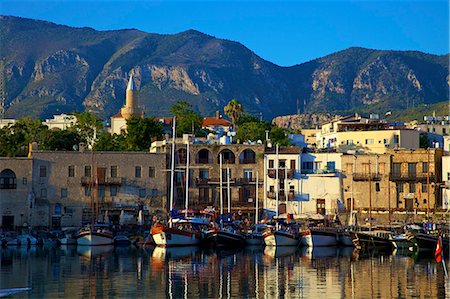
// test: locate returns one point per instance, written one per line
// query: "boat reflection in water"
(91, 251)
(190, 272)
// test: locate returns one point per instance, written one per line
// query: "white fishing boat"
(179, 232)
(255, 236)
(94, 237)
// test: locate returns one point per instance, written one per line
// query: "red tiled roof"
(214, 121)
(118, 115)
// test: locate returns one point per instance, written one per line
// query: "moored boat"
(426, 242)
(400, 241)
(255, 236)
(281, 237)
(320, 236)
(224, 237)
(179, 232)
(378, 239)
(95, 237)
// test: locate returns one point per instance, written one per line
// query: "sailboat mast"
(187, 181)
(285, 188)
(92, 188)
(257, 199)
(220, 184)
(228, 190)
(276, 178)
(172, 168)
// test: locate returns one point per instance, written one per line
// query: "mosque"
(131, 108)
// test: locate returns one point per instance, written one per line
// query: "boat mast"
(92, 189)
(187, 181)
(285, 188)
(370, 199)
(276, 179)
(257, 203)
(172, 168)
(265, 182)
(228, 190)
(351, 222)
(220, 184)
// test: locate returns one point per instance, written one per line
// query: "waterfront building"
(435, 128)
(130, 109)
(311, 181)
(240, 162)
(54, 189)
(5, 122)
(310, 136)
(216, 124)
(61, 121)
(365, 135)
(399, 180)
(445, 186)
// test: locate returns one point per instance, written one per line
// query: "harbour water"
(190, 272)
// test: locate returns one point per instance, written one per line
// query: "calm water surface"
(108, 272)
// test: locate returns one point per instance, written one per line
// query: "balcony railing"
(203, 160)
(358, 176)
(397, 176)
(281, 172)
(318, 171)
(247, 161)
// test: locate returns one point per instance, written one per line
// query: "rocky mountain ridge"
(50, 69)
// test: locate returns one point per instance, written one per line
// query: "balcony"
(247, 161)
(366, 176)
(397, 176)
(281, 172)
(86, 180)
(200, 160)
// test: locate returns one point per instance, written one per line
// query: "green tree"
(246, 118)
(252, 131)
(234, 110)
(88, 126)
(111, 142)
(59, 140)
(141, 132)
(187, 120)
(279, 136)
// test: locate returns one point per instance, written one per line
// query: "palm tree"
(233, 109)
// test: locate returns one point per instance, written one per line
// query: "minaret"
(131, 107)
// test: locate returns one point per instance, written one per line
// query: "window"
(154, 192)
(412, 187)
(142, 192)
(63, 193)
(43, 193)
(350, 142)
(151, 172)
(448, 176)
(203, 194)
(224, 173)
(42, 171)
(101, 191)
(424, 167)
(377, 186)
(8, 179)
(397, 168)
(281, 163)
(113, 171)
(271, 188)
(248, 173)
(270, 163)
(87, 191)
(424, 188)
(412, 169)
(113, 190)
(399, 187)
(137, 171)
(292, 164)
(331, 165)
(307, 165)
(385, 141)
(87, 171)
(444, 131)
(71, 171)
(396, 139)
(369, 141)
(203, 173)
(317, 165)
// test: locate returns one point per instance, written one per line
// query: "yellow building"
(131, 108)
(365, 135)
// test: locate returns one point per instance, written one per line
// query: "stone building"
(15, 191)
(240, 162)
(400, 180)
(56, 188)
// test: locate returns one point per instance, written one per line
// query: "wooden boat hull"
(367, 240)
(176, 237)
(426, 242)
(280, 238)
(223, 238)
(254, 239)
(90, 238)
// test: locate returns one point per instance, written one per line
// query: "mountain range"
(51, 69)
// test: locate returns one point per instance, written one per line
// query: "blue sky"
(283, 32)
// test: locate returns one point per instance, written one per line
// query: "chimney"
(217, 115)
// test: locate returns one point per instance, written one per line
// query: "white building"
(446, 180)
(311, 182)
(61, 121)
(6, 122)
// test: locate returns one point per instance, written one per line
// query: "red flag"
(438, 251)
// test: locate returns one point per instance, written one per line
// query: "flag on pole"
(438, 251)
